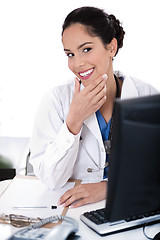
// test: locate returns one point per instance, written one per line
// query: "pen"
(34, 207)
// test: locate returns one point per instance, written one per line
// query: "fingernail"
(105, 76)
(62, 205)
(71, 206)
(59, 203)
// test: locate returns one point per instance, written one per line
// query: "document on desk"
(30, 197)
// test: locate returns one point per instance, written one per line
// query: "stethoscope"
(107, 143)
(98, 167)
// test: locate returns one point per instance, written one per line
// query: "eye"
(87, 50)
(69, 55)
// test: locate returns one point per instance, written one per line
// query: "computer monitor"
(134, 163)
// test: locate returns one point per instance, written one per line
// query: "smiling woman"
(74, 120)
(88, 57)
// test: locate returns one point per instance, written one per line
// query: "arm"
(55, 143)
(53, 147)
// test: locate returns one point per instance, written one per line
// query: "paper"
(3, 185)
(31, 192)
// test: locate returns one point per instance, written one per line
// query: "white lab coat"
(56, 154)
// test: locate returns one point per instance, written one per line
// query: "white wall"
(32, 59)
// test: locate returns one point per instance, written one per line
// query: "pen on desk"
(34, 207)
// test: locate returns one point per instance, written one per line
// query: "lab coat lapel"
(129, 89)
(92, 125)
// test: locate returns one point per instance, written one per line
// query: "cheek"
(105, 63)
(70, 65)
(72, 68)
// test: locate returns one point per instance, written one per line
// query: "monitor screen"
(134, 163)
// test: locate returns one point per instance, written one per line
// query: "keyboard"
(97, 222)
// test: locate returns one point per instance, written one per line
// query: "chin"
(86, 82)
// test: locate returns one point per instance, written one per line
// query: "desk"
(84, 231)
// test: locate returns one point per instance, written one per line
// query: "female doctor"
(74, 119)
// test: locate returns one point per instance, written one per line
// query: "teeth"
(84, 74)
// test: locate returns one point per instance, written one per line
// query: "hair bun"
(98, 23)
(119, 32)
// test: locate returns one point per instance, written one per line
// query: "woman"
(74, 119)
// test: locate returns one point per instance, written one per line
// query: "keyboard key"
(98, 216)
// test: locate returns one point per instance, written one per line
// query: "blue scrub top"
(104, 128)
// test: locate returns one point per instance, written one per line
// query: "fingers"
(100, 87)
(79, 203)
(77, 200)
(83, 194)
(101, 95)
(96, 92)
(77, 86)
(71, 196)
(101, 83)
(97, 85)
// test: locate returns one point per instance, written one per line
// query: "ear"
(112, 47)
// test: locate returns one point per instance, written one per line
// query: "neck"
(107, 108)
(111, 88)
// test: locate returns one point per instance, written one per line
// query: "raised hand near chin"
(86, 102)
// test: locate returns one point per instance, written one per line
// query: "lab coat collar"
(129, 89)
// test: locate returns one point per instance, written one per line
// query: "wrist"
(73, 126)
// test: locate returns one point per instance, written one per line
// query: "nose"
(79, 61)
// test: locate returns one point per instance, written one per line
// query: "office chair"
(15, 150)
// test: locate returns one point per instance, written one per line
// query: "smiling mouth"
(86, 74)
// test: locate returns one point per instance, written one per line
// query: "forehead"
(76, 34)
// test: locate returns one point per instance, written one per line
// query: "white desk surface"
(85, 232)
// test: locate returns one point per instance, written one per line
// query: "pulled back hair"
(98, 23)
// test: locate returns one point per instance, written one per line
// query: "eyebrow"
(80, 46)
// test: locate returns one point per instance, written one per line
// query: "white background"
(32, 60)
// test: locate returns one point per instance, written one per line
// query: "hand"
(86, 102)
(84, 194)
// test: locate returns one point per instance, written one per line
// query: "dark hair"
(98, 23)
